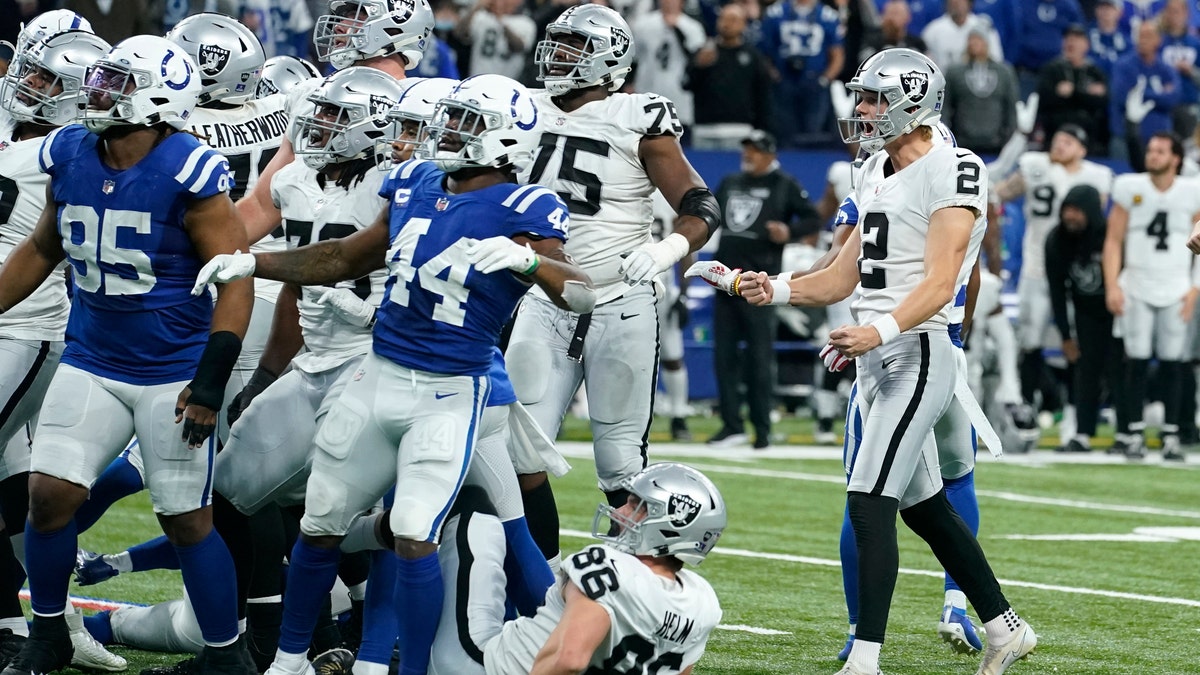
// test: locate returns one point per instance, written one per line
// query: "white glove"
(1136, 106)
(835, 361)
(714, 273)
(1027, 111)
(348, 306)
(223, 269)
(498, 253)
(843, 102)
(644, 263)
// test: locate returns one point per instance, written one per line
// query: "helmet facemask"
(107, 93)
(406, 132)
(32, 93)
(461, 127)
(587, 46)
(348, 34)
(321, 137)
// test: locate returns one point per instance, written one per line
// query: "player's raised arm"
(582, 629)
(32, 260)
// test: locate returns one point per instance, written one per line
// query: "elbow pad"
(579, 297)
(701, 203)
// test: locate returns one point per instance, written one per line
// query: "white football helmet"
(678, 512)
(45, 25)
(486, 121)
(348, 115)
(603, 57)
(229, 56)
(43, 84)
(359, 29)
(411, 115)
(913, 87)
(281, 73)
(144, 80)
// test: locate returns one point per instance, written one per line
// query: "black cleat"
(48, 648)
(679, 429)
(351, 629)
(334, 662)
(230, 660)
(10, 646)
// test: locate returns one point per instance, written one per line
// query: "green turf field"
(1105, 594)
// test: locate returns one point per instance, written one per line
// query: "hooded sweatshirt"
(1073, 261)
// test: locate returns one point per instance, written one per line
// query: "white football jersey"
(658, 625)
(893, 221)
(43, 315)
(312, 214)
(663, 60)
(1046, 183)
(1157, 262)
(590, 158)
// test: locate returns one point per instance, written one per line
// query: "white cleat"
(849, 669)
(90, 654)
(997, 657)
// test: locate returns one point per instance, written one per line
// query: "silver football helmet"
(911, 85)
(677, 512)
(143, 80)
(44, 83)
(281, 73)
(229, 55)
(587, 45)
(45, 25)
(359, 29)
(409, 118)
(486, 121)
(348, 115)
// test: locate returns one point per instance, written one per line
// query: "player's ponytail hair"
(352, 172)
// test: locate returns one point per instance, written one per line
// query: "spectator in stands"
(1073, 271)
(1043, 23)
(1109, 40)
(752, 10)
(733, 81)
(764, 209)
(1006, 19)
(284, 27)
(115, 21)
(894, 22)
(946, 36)
(1160, 84)
(1073, 90)
(981, 97)
(437, 60)
(1179, 50)
(861, 22)
(664, 42)
(803, 38)
(501, 38)
(923, 13)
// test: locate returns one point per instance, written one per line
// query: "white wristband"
(787, 276)
(887, 327)
(781, 292)
(677, 244)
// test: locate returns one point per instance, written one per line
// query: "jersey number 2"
(874, 247)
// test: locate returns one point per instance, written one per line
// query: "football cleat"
(48, 648)
(91, 568)
(90, 654)
(1120, 445)
(1171, 450)
(679, 429)
(845, 653)
(727, 438)
(998, 657)
(10, 646)
(334, 662)
(956, 629)
(850, 669)
(1136, 447)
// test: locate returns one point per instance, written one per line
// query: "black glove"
(680, 309)
(259, 381)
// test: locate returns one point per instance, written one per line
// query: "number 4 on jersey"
(452, 308)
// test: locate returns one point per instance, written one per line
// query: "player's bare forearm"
(833, 283)
(285, 339)
(1010, 188)
(840, 235)
(992, 240)
(33, 259)
(694, 230)
(555, 268)
(568, 650)
(670, 172)
(235, 302)
(328, 262)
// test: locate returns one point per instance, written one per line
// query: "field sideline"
(1099, 555)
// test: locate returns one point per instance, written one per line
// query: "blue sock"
(849, 553)
(100, 627)
(118, 481)
(528, 573)
(310, 576)
(961, 494)
(50, 559)
(156, 554)
(209, 579)
(419, 595)
(379, 612)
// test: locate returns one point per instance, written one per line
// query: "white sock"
(291, 663)
(121, 562)
(676, 384)
(865, 655)
(852, 627)
(1002, 628)
(17, 624)
(358, 591)
(1009, 388)
(241, 626)
(555, 563)
(367, 668)
(956, 599)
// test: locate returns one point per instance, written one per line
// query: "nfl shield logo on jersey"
(441, 204)
(213, 59)
(108, 187)
(916, 85)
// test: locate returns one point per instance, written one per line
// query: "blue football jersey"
(439, 314)
(502, 392)
(133, 318)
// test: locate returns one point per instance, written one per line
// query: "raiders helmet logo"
(620, 41)
(380, 105)
(916, 85)
(682, 510)
(213, 59)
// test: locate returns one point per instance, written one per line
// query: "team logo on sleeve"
(682, 510)
(213, 59)
(1137, 199)
(741, 212)
(916, 85)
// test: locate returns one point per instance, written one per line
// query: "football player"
(921, 220)
(281, 73)
(462, 244)
(626, 605)
(1148, 284)
(604, 153)
(135, 207)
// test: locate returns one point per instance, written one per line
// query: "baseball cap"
(761, 140)
(1114, 3)
(1075, 131)
(1075, 29)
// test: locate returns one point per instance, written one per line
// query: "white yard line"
(754, 629)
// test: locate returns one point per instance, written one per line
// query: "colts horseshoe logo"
(187, 72)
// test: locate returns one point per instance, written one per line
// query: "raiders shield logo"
(741, 211)
(213, 59)
(682, 510)
(916, 85)
(380, 105)
(620, 42)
